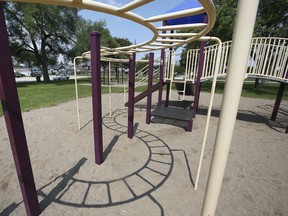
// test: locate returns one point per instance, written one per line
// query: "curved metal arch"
(156, 42)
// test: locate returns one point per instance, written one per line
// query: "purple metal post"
(167, 94)
(104, 76)
(149, 90)
(131, 92)
(199, 73)
(108, 76)
(168, 71)
(278, 101)
(14, 123)
(117, 74)
(190, 125)
(96, 95)
(161, 77)
(122, 76)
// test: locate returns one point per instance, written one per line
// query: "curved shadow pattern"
(142, 182)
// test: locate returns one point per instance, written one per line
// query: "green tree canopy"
(272, 21)
(140, 65)
(45, 31)
(84, 28)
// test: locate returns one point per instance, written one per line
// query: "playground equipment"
(109, 60)
(161, 39)
(158, 41)
(142, 76)
(268, 60)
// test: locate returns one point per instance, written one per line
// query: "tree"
(223, 28)
(140, 65)
(272, 20)
(122, 42)
(226, 14)
(84, 28)
(44, 31)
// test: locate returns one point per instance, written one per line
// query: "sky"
(123, 28)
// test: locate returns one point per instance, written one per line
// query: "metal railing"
(268, 59)
(141, 76)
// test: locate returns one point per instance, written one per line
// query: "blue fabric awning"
(186, 4)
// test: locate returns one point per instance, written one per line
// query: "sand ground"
(154, 173)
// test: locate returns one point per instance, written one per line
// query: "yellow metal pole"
(245, 21)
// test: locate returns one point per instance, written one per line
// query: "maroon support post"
(149, 90)
(169, 75)
(167, 93)
(104, 75)
(96, 95)
(122, 74)
(117, 74)
(278, 101)
(161, 78)
(108, 76)
(131, 92)
(14, 123)
(199, 74)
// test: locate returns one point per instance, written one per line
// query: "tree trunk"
(46, 77)
(258, 83)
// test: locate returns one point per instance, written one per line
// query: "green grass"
(268, 91)
(35, 95)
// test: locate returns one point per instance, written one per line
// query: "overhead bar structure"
(133, 5)
(178, 14)
(126, 12)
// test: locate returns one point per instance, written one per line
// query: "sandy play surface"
(154, 173)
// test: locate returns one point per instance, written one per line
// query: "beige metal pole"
(245, 21)
(76, 91)
(110, 96)
(217, 67)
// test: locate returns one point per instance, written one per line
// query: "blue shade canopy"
(186, 4)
